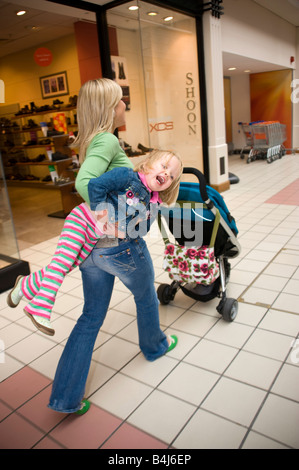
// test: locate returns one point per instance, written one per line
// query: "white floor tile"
(256, 295)
(116, 321)
(250, 314)
(211, 356)
(121, 395)
(281, 322)
(8, 365)
(189, 383)
(162, 416)
(31, 347)
(232, 334)
(287, 382)
(269, 344)
(208, 431)
(115, 353)
(275, 283)
(194, 323)
(150, 373)
(227, 400)
(257, 441)
(287, 302)
(278, 419)
(253, 369)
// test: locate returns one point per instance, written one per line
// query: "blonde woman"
(100, 111)
(126, 258)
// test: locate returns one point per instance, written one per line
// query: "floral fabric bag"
(190, 263)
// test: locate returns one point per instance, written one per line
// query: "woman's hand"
(107, 228)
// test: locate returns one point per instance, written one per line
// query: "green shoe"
(15, 295)
(173, 342)
(85, 405)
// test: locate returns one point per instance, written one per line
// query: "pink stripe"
(32, 311)
(87, 213)
(46, 295)
(41, 303)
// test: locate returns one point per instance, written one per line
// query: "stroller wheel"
(164, 293)
(229, 310)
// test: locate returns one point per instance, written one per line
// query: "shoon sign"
(190, 104)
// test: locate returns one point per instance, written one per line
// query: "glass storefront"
(156, 66)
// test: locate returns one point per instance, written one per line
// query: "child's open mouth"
(160, 179)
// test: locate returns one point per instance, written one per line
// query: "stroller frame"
(228, 307)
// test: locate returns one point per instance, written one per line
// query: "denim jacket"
(128, 201)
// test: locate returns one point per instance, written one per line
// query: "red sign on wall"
(43, 56)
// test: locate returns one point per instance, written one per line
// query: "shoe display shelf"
(24, 168)
(11, 264)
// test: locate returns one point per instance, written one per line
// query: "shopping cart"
(269, 137)
(264, 139)
(253, 153)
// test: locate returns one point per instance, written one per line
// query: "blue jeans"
(130, 261)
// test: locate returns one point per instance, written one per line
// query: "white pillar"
(295, 96)
(218, 160)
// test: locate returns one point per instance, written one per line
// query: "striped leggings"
(77, 239)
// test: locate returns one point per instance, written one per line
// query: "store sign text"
(162, 126)
(190, 104)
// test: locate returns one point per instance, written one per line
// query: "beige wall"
(21, 74)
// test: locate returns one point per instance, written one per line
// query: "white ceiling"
(45, 20)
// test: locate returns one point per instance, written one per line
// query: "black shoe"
(144, 149)
(59, 156)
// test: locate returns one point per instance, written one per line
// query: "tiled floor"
(226, 385)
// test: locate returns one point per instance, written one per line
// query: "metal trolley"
(265, 140)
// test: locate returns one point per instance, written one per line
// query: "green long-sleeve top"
(103, 154)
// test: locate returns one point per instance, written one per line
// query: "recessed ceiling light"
(21, 12)
(152, 13)
(247, 71)
(168, 18)
(133, 7)
(231, 68)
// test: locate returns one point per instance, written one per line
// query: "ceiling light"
(247, 71)
(168, 18)
(21, 12)
(152, 13)
(133, 8)
(231, 68)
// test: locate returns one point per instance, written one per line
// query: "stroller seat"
(200, 219)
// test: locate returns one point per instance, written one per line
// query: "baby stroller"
(205, 238)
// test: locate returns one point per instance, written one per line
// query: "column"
(218, 159)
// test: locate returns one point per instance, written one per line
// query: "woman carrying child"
(125, 256)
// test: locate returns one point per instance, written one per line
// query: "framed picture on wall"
(54, 85)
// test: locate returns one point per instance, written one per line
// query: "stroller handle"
(202, 184)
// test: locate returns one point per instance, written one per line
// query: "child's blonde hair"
(95, 111)
(169, 195)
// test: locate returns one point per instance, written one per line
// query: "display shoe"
(39, 158)
(41, 323)
(15, 295)
(144, 149)
(85, 405)
(59, 156)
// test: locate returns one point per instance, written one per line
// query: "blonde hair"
(95, 111)
(169, 195)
